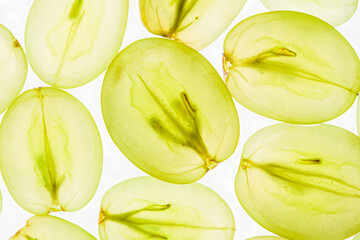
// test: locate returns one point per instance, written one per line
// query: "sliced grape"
(302, 182)
(335, 12)
(146, 208)
(196, 23)
(278, 65)
(47, 227)
(71, 42)
(13, 68)
(50, 152)
(168, 111)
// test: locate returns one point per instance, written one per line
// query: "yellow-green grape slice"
(266, 238)
(13, 68)
(71, 42)
(196, 23)
(50, 152)
(277, 64)
(302, 182)
(168, 111)
(335, 12)
(47, 227)
(146, 208)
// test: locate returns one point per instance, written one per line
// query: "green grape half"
(335, 12)
(50, 152)
(278, 64)
(47, 227)
(71, 42)
(13, 68)
(168, 111)
(196, 23)
(266, 238)
(146, 208)
(302, 182)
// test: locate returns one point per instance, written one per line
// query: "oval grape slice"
(50, 152)
(47, 227)
(13, 68)
(335, 12)
(146, 208)
(291, 74)
(196, 23)
(297, 181)
(168, 111)
(71, 42)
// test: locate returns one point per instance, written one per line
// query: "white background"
(117, 168)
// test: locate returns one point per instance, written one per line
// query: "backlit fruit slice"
(71, 42)
(277, 64)
(146, 208)
(50, 152)
(335, 12)
(13, 68)
(196, 23)
(302, 182)
(47, 227)
(168, 111)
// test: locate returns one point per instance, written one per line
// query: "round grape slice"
(50, 152)
(168, 111)
(335, 12)
(278, 65)
(47, 227)
(71, 42)
(196, 23)
(13, 68)
(146, 208)
(302, 182)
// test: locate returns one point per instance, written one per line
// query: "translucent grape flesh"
(195, 23)
(13, 68)
(182, 120)
(146, 208)
(48, 227)
(71, 42)
(291, 74)
(309, 175)
(50, 152)
(334, 12)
